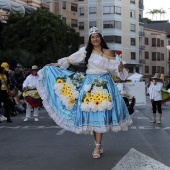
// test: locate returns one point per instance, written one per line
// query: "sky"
(157, 4)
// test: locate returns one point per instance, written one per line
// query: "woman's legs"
(98, 149)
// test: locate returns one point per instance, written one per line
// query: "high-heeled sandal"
(97, 151)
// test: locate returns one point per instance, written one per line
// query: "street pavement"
(45, 146)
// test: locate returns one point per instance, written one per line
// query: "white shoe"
(36, 119)
(3, 118)
(26, 119)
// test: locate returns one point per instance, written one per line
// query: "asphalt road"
(45, 146)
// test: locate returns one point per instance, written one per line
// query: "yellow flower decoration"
(86, 100)
(72, 102)
(59, 81)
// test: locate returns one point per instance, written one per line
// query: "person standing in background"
(4, 88)
(155, 92)
(30, 93)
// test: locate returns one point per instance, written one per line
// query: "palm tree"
(161, 11)
(151, 12)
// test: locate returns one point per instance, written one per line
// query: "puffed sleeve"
(114, 70)
(73, 59)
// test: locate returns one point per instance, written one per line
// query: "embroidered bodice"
(97, 63)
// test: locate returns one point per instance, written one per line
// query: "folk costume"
(31, 95)
(84, 103)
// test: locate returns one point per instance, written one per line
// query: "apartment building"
(157, 48)
(155, 54)
(120, 23)
(67, 10)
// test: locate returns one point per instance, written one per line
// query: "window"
(81, 40)
(112, 10)
(158, 69)
(162, 70)
(92, 23)
(146, 41)
(81, 11)
(146, 69)
(81, 25)
(74, 23)
(132, 14)
(64, 4)
(133, 41)
(168, 42)
(117, 10)
(117, 25)
(158, 42)
(132, 27)
(112, 24)
(146, 55)
(153, 69)
(158, 56)
(133, 56)
(153, 42)
(73, 7)
(162, 56)
(153, 56)
(92, 10)
(132, 1)
(162, 43)
(113, 39)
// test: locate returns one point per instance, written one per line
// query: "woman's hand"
(53, 64)
(121, 66)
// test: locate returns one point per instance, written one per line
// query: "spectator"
(155, 92)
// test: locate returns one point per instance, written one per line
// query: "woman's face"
(95, 39)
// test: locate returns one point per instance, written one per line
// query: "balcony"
(142, 61)
(141, 47)
(141, 33)
(141, 6)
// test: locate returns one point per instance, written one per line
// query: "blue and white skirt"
(82, 104)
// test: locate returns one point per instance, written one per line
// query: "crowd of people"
(12, 101)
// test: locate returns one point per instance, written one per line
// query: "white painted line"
(135, 160)
(13, 127)
(61, 132)
(132, 127)
(142, 118)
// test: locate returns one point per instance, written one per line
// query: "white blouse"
(155, 91)
(30, 81)
(97, 63)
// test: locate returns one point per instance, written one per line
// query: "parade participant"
(31, 95)
(4, 88)
(155, 92)
(90, 103)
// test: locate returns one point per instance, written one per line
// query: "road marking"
(135, 160)
(61, 132)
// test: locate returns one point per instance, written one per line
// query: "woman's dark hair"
(89, 47)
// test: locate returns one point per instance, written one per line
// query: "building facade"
(67, 10)
(120, 23)
(155, 54)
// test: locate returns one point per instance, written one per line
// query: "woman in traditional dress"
(90, 103)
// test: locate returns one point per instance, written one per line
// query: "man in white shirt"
(31, 95)
(155, 92)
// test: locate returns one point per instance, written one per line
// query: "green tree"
(38, 38)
